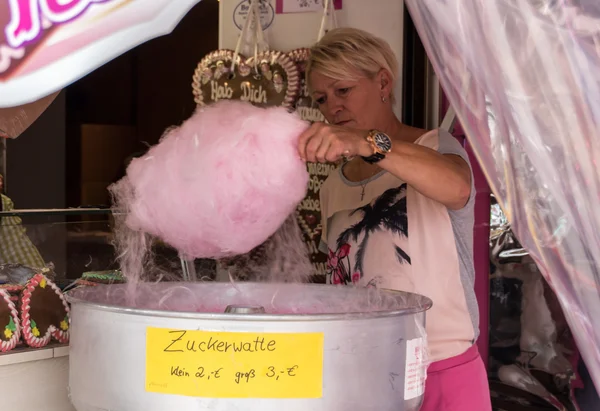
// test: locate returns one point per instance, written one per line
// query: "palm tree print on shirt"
(387, 212)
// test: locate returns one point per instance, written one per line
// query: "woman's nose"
(334, 106)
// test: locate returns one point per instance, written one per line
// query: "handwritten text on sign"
(234, 365)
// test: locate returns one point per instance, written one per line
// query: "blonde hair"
(349, 54)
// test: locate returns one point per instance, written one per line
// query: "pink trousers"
(457, 384)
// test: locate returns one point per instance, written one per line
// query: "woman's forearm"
(445, 178)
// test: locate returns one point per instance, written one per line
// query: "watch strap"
(374, 158)
(378, 154)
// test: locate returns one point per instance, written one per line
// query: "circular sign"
(266, 12)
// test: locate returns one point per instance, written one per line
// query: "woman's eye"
(344, 90)
(320, 100)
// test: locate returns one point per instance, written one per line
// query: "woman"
(399, 212)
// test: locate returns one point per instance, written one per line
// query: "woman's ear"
(385, 82)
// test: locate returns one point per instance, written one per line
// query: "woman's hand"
(323, 143)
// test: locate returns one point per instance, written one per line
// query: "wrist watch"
(381, 144)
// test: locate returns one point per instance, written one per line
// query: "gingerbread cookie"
(13, 289)
(305, 106)
(309, 210)
(267, 80)
(10, 331)
(44, 313)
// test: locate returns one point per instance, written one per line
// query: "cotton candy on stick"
(221, 183)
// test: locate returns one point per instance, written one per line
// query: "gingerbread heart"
(309, 210)
(44, 313)
(12, 289)
(10, 331)
(305, 106)
(269, 79)
(309, 214)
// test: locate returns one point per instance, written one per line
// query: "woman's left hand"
(324, 143)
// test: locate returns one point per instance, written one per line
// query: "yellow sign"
(233, 364)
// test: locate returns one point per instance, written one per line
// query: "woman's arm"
(445, 178)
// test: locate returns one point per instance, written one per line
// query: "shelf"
(26, 354)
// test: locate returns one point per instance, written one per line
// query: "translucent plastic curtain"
(523, 76)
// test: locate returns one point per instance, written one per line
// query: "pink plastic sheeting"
(523, 76)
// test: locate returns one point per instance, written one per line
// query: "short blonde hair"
(348, 54)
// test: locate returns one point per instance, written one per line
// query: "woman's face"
(353, 103)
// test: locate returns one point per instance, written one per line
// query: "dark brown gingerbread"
(46, 308)
(9, 323)
(44, 313)
(309, 210)
(270, 79)
(5, 321)
(305, 106)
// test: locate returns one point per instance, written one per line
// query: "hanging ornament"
(308, 213)
(267, 78)
(305, 106)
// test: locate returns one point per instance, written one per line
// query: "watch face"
(382, 142)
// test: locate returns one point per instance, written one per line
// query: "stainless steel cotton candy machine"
(246, 346)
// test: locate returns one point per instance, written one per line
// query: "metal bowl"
(334, 347)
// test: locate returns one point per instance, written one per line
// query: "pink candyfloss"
(222, 183)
